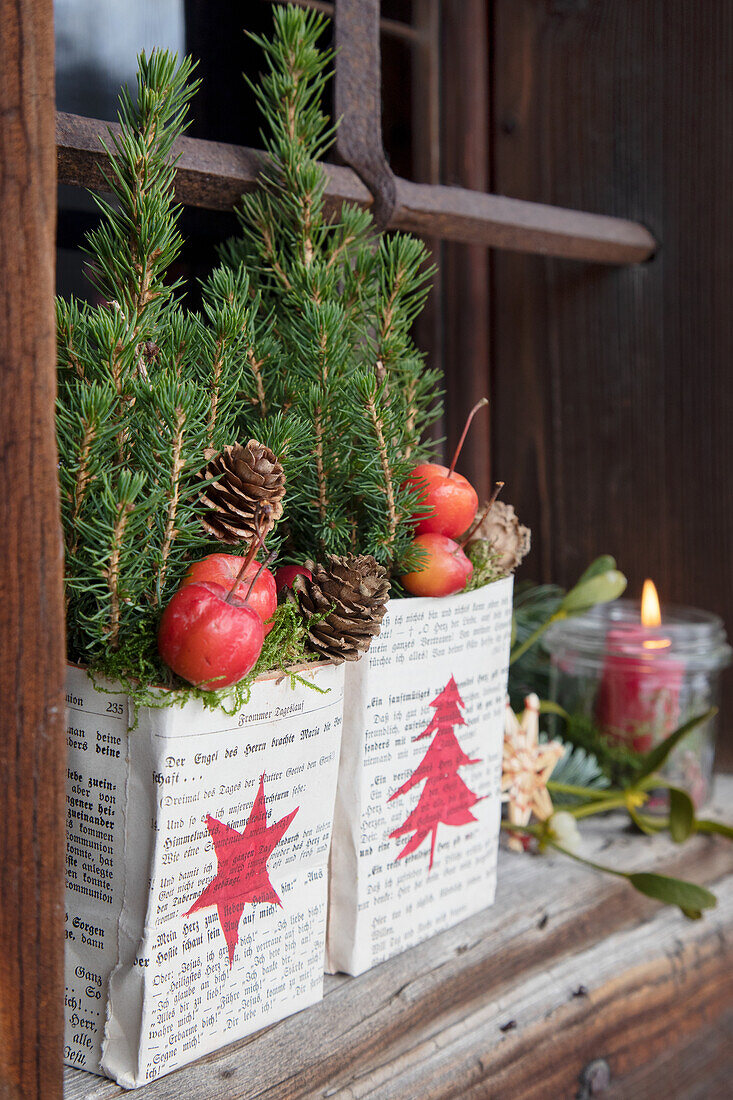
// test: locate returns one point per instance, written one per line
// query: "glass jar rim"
(694, 636)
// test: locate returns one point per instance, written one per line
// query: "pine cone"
(352, 592)
(509, 538)
(248, 476)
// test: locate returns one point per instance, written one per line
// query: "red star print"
(242, 877)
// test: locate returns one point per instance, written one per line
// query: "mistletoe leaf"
(681, 815)
(688, 896)
(653, 760)
(548, 707)
(602, 564)
(599, 588)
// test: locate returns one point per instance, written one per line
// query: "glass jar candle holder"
(639, 683)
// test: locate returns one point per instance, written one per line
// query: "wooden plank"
(428, 1023)
(213, 175)
(613, 388)
(465, 268)
(625, 1021)
(32, 747)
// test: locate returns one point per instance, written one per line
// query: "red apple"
(223, 568)
(206, 640)
(449, 498)
(286, 574)
(447, 569)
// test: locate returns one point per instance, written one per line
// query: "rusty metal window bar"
(213, 175)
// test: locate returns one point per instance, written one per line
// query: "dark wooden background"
(613, 388)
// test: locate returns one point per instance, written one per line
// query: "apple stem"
(262, 515)
(266, 563)
(479, 405)
(477, 523)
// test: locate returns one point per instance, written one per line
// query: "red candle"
(638, 696)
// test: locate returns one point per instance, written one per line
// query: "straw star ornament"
(526, 766)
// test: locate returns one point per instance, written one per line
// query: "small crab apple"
(448, 498)
(209, 634)
(286, 574)
(447, 569)
(223, 569)
(209, 637)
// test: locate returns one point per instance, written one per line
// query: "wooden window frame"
(211, 175)
(214, 175)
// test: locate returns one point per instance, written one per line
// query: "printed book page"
(209, 922)
(418, 804)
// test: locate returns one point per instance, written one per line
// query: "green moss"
(485, 561)
(136, 665)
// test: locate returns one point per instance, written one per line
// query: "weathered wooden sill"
(567, 968)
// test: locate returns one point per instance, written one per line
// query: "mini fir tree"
(147, 392)
(445, 798)
(340, 363)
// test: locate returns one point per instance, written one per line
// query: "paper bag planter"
(197, 849)
(417, 815)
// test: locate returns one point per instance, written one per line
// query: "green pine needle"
(576, 768)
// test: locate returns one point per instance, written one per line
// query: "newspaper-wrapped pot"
(418, 803)
(197, 848)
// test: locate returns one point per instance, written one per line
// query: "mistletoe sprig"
(596, 777)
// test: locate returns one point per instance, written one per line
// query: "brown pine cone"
(249, 478)
(509, 538)
(351, 592)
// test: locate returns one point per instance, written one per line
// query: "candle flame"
(651, 614)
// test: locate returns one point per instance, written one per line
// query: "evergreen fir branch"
(120, 501)
(289, 92)
(170, 449)
(177, 466)
(255, 215)
(70, 327)
(411, 409)
(232, 308)
(349, 233)
(85, 430)
(255, 366)
(318, 455)
(619, 763)
(371, 391)
(404, 285)
(576, 768)
(340, 303)
(216, 368)
(137, 239)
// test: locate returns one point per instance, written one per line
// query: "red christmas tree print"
(242, 876)
(445, 797)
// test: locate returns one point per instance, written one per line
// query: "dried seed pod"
(509, 538)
